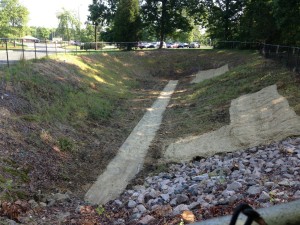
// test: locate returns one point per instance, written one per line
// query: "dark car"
(183, 45)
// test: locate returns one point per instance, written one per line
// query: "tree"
(287, 14)
(165, 17)
(69, 25)
(224, 17)
(87, 34)
(13, 19)
(127, 22)
(258, 22)
(43, 33)
(101, 14)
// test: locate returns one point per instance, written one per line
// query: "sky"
(42, 13)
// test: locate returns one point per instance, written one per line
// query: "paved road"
(130, 158)
(31, 52)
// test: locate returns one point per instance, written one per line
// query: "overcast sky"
(43, 12)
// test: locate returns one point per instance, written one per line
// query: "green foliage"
(13, 19)
(223, 18)
(164, 18)
(11, 177)
(270, 21)
(127, 22)
(90, 94)
(65, 144)
(87, 34)
(100, 210)
(258, 22)
(287, 14)
(92, 45)
(69, 25)
(181, 222)
(43, 33)
(101, 14)
(6, 188)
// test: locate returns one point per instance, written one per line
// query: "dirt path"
(255, 119)
(130, 158)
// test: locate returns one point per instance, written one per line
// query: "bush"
(92, 45)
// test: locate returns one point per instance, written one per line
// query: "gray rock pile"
(265, 174)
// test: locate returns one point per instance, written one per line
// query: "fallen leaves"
(12, 210)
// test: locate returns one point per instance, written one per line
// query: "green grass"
(11, 46)
(76, 94)
(205, 106)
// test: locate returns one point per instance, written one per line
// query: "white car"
(144, 45)
(194, 45)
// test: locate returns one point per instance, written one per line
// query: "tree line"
(267, 21)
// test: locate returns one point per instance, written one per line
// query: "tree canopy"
(271, 21)
(69, 25)
(127, 22)
(165, 17)
(13, 19)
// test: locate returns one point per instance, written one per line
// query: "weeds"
(10, 180)
(100, 210)
(65, 144)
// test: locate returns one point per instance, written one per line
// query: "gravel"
(267, 175)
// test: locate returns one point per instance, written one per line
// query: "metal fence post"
(35, 50)
(46, 47)
(297, 61)
(6, 53)
(55, 48)
(23, 49)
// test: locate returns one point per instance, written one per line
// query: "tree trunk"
(226, 27)
(96, 26)
(163, 19)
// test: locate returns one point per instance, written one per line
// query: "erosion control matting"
(255, 119)
(130, 158)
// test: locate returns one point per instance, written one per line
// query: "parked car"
(157, 44)
(183, 45)
(142, 45)
(175, 45)
(194, 45)
(169, 45)
(77, 43)
(153, 45)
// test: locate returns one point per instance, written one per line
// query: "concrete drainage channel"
(284, 214)
(130, 157)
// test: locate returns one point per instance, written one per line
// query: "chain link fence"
(13, 50)
(287, 55)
